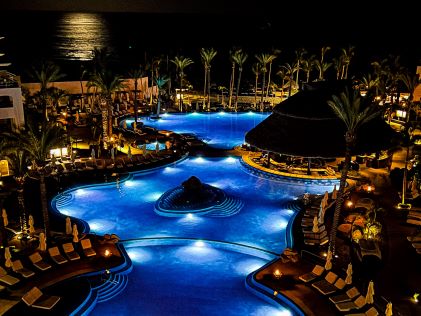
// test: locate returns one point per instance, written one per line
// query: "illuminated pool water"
(219, 130)
(127, 209)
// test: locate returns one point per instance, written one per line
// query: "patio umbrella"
(129, 152)
(75, 234)
(144, 149)
(7, 257)
(315, 225)
(68, 226)
(93, 153)
(326, 198)
(369, 297)
(322, 211)
(53, 161)
(124, 124)
(328, 264)
(348, 279)
(134, 125)
(334, 193)
(42, 242)
(77, 117)
(31, 224)
(112, 153)
(4, 215)
(157, 147)
(389, 311)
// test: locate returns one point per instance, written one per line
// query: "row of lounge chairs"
(109, 164)
(414, 218)
(310, 237)
(345, 297)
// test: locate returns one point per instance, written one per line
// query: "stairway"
(229, 207)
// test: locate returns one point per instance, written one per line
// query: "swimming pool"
(127, 209)
(220, 130)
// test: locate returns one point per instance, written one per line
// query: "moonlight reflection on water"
(79, 33)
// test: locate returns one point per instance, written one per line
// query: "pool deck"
(396, 281)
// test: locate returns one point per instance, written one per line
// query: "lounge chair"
(327, 289)
(87, 248)
(35, 298)
(314, 274)
(414, 238)
(37, 261)
(329, 280)
(345, 297)
(70, 251)
(416, 245)
(7, 278)
(19, 268)
(372, 311)
(56, 256)
(358, 303)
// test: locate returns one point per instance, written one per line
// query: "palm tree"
(346, 57)
(282, 73)
(107, 83)
(299, 53)
(370, 84)
(46, 74)
(239, 58)
(349, 107)
(321, 66)
(136, 74)
(307, 65)
(256, 70)
(264, 59)
(83, 73)
(18, 160)
(222, 89)
(338, 65)
(274, 55)
(232, 79)
(181, 63)
(160, 83)
(289, 74)
(37, 141)
(207, 55)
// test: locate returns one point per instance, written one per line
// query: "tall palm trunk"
(340, 198)
(269, 77)
(181, 91)
(205, 86)
(209, 89)
(135, 101)
(151, 97)
(255, 91)
(21, 204)
(240, 70)
(263, 91)
(158, 108)
(231, 85)
(44, 204)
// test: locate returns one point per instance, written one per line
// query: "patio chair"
(312, 275)
(358, 303)
(56, 256)
(37, 261)
(87, 248)
(35, 298)
(345, 297)
(70, 251)
(19, 268)
(7, 278)
(327, 289)
(329, 279)
(372, 311)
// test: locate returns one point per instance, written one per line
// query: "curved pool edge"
(182, 241)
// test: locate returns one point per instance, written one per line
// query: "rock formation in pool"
(196, 197)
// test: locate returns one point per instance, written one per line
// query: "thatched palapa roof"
(304, 125)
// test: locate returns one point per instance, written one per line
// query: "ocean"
(68, 38)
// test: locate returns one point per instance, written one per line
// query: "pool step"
(295, 206)
(229, 207)
(114, 288)
(63, 199)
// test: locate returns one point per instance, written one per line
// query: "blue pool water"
(215, 288)
(127, 209)
(219, 130)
